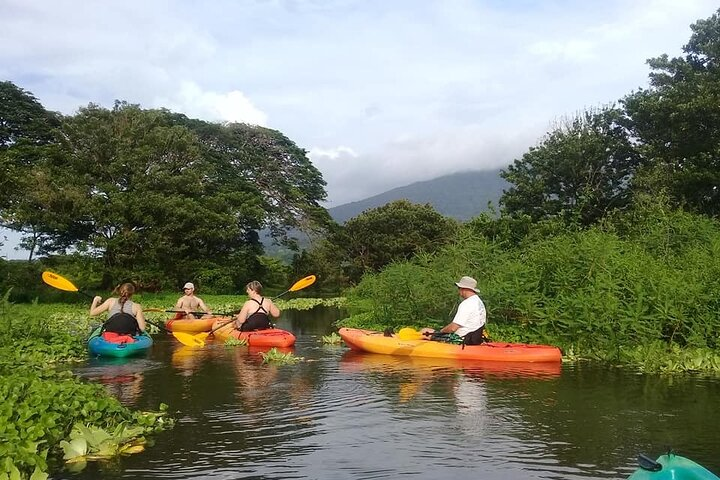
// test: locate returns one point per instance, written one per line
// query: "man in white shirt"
(470, 315)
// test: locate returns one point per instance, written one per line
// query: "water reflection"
(348, 415)
(121, 377)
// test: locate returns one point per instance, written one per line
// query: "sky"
(380, 93)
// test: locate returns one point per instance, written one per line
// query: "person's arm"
(204, 307)
(273, 310)
(96, 309)
(450, 328)
(178, 304)
(459, 319)
(140, 316)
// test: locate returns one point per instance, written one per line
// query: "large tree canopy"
(677, 121)
(581, 169)
(162, 198)
(27, 137)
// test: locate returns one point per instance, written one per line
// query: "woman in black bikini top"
(256, 312)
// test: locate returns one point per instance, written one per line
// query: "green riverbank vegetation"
(45, 406)
(49, 416)
(606, 243)
(639, 289)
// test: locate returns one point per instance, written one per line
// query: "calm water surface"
(343, 415)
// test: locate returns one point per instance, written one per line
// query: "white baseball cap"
(189, 285)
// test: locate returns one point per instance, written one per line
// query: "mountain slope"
(460, 195)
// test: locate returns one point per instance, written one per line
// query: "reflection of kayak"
(271, 337)
(671, 467)
(101, 347)
(354, 360)
(193, 326)
(376, 342)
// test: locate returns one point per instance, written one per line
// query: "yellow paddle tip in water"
(197, 340)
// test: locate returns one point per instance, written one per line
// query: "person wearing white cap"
(470, 316)
(189, 303)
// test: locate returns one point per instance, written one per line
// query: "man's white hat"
(468, 282)
(189, 285)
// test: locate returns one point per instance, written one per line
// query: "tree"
(272, 167)
(153, 206)
(27, 137)
(162, 198)
(677, 121)
(580, 171)
(394, 232)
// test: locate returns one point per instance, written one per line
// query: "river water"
(343, 415)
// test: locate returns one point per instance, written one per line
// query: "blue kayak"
(671, 467)
(100, 347)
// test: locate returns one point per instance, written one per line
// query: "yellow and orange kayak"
(377, 342)
(193, 325)
(271, 337)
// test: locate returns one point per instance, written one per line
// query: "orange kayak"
(377, 342)
(192, 326)
(354, 361)
(271, 337)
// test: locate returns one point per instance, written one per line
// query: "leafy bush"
(640, 278)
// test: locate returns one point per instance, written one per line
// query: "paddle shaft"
(62, 283)
(192, 313)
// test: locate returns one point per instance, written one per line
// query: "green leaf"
(39, 475)
(77, 447)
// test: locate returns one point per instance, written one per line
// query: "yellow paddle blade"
(408, 333)
(197, 340)
(61, 283)
(302, 283)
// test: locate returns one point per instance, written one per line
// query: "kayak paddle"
(62, 283)
(408, 333)
(181, 311)
(198, 340)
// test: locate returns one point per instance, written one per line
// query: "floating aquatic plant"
(276, 356)
(94, 443)
(235, 342)
(332, 339)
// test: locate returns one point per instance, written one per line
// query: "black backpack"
(122, 323)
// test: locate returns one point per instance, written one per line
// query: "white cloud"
(407, 159)
(382, 93)
(232, 106)
(318, 154)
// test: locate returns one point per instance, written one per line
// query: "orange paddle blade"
(61, 283)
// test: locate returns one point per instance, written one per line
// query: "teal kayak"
(100, 347)
(671, 467)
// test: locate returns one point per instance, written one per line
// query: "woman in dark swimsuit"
(125, 317)
(256, 312)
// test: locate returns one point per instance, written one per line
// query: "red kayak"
(271, 337)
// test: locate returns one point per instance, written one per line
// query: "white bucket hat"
(189, 285)
(468, 282)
